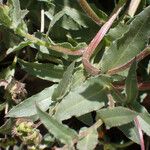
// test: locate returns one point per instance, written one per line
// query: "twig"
(133, 7)
(137, 123)
(89, 11)
(123, 67)
(94, 43)
(42, 20)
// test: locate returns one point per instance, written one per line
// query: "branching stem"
(57, 48)
(94, 43)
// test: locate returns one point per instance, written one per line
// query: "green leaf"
(74, 14)
(7, 73)
(74, 18)
(60, 131)
(2, 106)
(89, 142)
(144, 120)
(44, 71)
(27, 107)
(117, 96)
(130, 132)
(130, 44)
(64, 85)
(131, 84)
(79, 78)
(55, 18)
(86, 119)
(118, 31)
(4, 16)
(6, 128)
(116, 116)
(90, 96)
(18, 47)
(16, 13)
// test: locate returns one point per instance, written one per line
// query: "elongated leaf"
(144, 120)
(79, 78)
(86, 98)
(117, 96)
(4, 15)
(131, 84)
(89, 142)
(27, 107)
(17, 14)
(44, 71)
(130, 44)
(2, 105)
(55, 18)
(116, 116)
(75, 15)
(117, 32)
(6, 128)
(130, 132)
(60, 131)
(64, 84)
(18, 47)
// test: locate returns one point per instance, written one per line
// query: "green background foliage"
(49, 99)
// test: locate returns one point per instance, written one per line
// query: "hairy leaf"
(116, 116)
(64, 85)
(131, 84)
(78, 78)
(117, 32)
(18, 47)
(130, 132)
(16, 14)
(89, 142)
(44, 71)
(28, 108)
(6, 128)
(88, 97)
(144, 120)
(60, 131)
(130, 44)
(4, 15)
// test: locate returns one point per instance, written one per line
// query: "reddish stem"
(137, 123)
(141, 86)
(94, 43)
(139, 57)
(66, 50)
(89, 11)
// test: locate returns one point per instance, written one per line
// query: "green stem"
(57, 48)
(89, 11)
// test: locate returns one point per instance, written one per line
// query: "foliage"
(58, 72)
